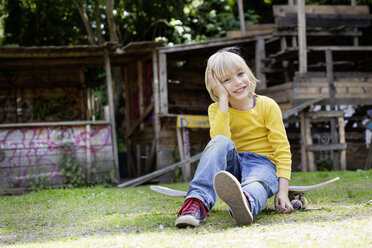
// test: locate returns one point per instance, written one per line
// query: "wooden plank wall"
(348, 90)
(41, 77)
(31, 152)
(186, 87)
(140, 133)
(42, 104)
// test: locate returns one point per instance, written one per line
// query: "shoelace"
(192, 206)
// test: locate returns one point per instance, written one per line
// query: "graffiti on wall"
(59, 104)
(24, 150)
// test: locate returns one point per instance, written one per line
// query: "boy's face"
(236, 84)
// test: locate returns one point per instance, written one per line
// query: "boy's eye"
(241, 73)
(225, 80)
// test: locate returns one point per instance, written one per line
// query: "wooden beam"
(260, 57)
(158, 173)
(330, 77)
(309, 142)
(209, 44)
(186, 169)
(139, 120)
(304, 163)
(140, 88)
(325, 114)
(327, 147)
(341, 133)
(301, 19)
(110, 98)
(340, 48)
(163, 84)
(283, 10)
(155, 90)
(53, 124)
(368, 162)
(241, 17)
(320, 33)
(302, 106)
(88, 152)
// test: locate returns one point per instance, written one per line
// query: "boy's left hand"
(282, 203)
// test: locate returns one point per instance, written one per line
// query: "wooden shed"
(337, 71)
(48, 126)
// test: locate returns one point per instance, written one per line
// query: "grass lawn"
(339, 215)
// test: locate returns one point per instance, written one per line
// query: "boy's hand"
(217, 86)
(282, 203)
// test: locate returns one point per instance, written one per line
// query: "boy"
(248, 159)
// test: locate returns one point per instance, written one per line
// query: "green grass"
(338, 215)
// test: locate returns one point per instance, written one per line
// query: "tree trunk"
(97, 18)
(110, 20)
(84, 18)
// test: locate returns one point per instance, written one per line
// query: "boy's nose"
(237, 81)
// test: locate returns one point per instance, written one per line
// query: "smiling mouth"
(240, 90)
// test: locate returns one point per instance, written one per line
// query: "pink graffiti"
(24, 149)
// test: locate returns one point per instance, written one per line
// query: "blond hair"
(225, 62)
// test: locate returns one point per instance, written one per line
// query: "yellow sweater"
(259, 130)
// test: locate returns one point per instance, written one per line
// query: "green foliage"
(325, 165)
(212, 19)
(42, 22)
(39, 181)
(57, 22)
(71, 167)
(75, 173)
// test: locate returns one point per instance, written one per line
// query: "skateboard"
(294, 192)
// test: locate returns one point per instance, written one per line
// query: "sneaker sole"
(188, 221)
(228, 189)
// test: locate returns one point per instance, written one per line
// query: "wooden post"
(186, 169)
(183, 142)
(89, 113)
(138, 159)
(241, 17)
(260, 56)
(341, 132)
(180, 144)
(140, 90)
(293, 37)
(304, 163)
(19, 112)
(309, 141)
(128, 143)
(110, 99)
(301, 18)
(88, 155)
(368, 163)
(331, 87)
(283, 46)
(163, 84)
(355, 38)
(330, 77)
(155, 87)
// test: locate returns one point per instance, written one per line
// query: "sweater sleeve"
(219, 121)
(277, 137)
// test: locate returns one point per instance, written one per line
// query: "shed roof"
(82, 55)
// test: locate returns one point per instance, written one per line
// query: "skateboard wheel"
(304, 202)
(296, 204)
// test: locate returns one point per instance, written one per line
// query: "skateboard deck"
(293, 191)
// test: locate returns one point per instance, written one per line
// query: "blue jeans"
(256, 173)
